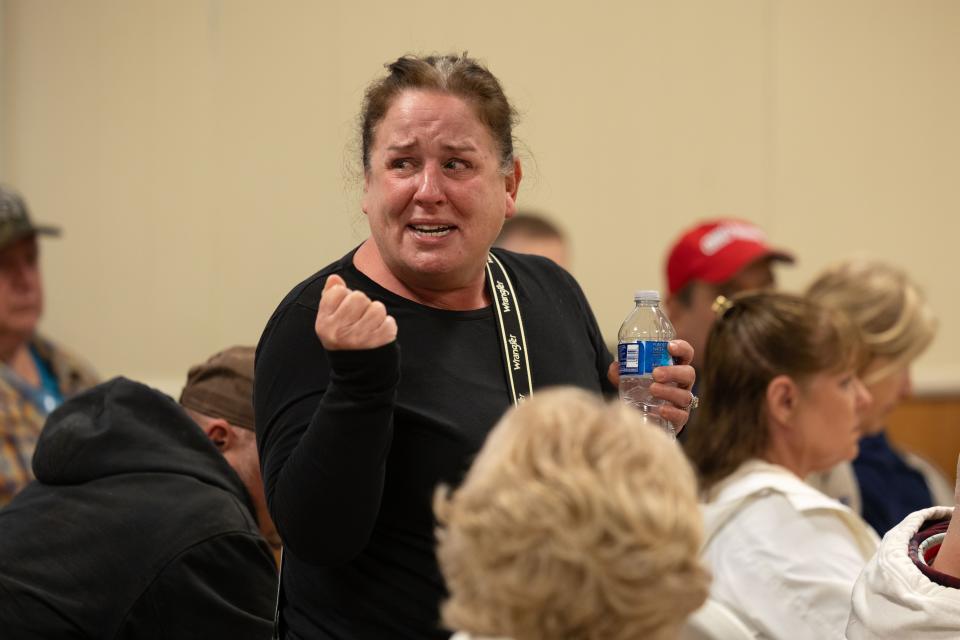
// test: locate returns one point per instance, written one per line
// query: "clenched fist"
(349, 320)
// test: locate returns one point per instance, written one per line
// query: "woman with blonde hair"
(576, 521)
(896, 326)
(781, 399)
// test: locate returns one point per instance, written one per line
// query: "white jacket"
(784, 556)
(894, 600)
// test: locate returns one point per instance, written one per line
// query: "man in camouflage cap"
(36, 375)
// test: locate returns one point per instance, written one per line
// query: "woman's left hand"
(671, 383)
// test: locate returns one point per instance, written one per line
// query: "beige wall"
(200, 154)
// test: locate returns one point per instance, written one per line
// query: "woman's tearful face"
(436, 193)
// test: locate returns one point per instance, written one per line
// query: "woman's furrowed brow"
(459, 146)
(402, 146)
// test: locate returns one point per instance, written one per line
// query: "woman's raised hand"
(349, 320)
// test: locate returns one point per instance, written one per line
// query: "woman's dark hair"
(758, 337)
(458, 75)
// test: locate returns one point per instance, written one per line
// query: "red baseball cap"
(716, 250)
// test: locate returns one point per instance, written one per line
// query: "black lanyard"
(516, 360)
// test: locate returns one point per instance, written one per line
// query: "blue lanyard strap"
(39, 397)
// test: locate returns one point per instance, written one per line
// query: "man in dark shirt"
(147, 518)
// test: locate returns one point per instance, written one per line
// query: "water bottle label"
(642, 357)
(657, 355)
(630, 355)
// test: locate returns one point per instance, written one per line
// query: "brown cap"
(222, 387)
(15, 220)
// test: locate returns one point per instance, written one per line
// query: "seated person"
(147, 518)
(883, 483)
(576, 521)
(911, 588)
(36, 374)
(780, 400)
(713, 258)
(528, 232)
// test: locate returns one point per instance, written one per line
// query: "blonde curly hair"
(891, 311)
(576, 521)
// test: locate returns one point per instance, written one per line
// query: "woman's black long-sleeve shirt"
(353, 444)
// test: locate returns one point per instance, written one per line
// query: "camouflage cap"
(15, 220)
(222, 387)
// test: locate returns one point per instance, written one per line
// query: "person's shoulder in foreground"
(911, 587)
(146, 508)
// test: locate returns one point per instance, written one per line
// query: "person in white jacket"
(911, 587)
(577, 521)
(780, 399)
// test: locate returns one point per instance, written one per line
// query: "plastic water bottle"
(643, 338)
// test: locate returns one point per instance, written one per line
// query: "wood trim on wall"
(929, 426)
